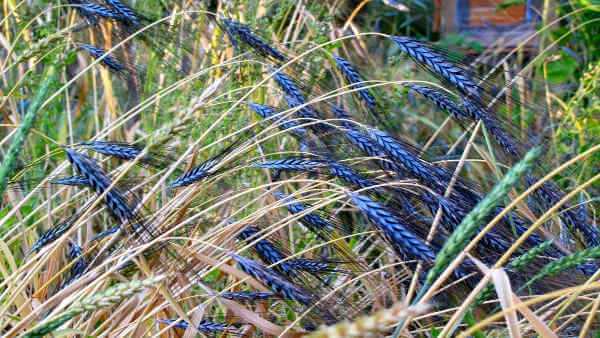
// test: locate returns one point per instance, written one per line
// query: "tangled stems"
(103, 299)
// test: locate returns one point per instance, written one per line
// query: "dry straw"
(463, 210)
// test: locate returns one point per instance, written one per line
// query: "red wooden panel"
(486, 12)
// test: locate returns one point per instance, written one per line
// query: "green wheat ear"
(565, 263)
(103, 299)
(517, 264)
(21, 135)
(472, 222)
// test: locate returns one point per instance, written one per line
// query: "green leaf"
(562, 69)
(508, 3)
(471, 321)
(590, 4)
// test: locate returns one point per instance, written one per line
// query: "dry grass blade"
(504, 291)
(538, 324)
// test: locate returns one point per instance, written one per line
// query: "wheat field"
(295, 168)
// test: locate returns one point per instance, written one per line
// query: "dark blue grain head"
(236, 30)
(309, 115)
(106, 233)
(404, 241)
(267, 112)
(354, 77)
(365, 144)
(295, 98)
(313, 266)
(93, 12)
(439, 65)
(348, 175)
(53, 234)
(346, 119)
(314, 222)
(582, 210)
(520, 226)
(248, 296)
(100, 182)
(442, 100)
(268, 252)
(402, 156)
(74, 250)
(305, 112)
(119, 150)
(126, 14)
(452, 216)
(80, 264)
(278, 284)
(262, 110)
(207, 168)
(195, 174)
(89, 169)
(205, 326)
(549, 194)
(75, 181)
(507, 142)
(291, 164)
(90, 17)
(108, 61)
(289, 87)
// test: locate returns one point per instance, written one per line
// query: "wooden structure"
(488, 22)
